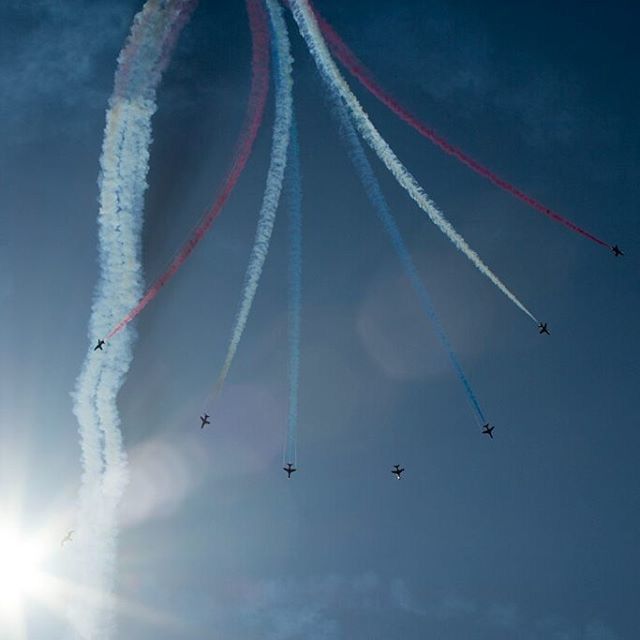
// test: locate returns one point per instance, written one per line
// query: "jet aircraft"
(289, 469)
(542, 326)
(616, 250)
(397, 471)
(99, 345)
(67, 538)
(488, 430)
(205, 420)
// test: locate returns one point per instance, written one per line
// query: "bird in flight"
(67, 538)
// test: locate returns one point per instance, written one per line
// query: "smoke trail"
(123, 170)
(336, 83)
(365, 77)
(267, 216)
(253, 119)
(293, 188)
(377, 199)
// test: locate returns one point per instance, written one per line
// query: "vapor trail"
(252, 121)
(357, 69)
(336, 83)
(123, 170)
(293, 190)
(267, 216)
(377, 199)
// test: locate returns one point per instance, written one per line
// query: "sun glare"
(20, 575)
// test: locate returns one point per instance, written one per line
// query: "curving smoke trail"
(281, 131)
(310, 32)
(379, 202)
(358, 70)
(252, 121)
(123, 171)
(293, 189)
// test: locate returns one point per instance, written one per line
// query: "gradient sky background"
(532, 535)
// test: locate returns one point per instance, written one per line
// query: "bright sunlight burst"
(20, 559)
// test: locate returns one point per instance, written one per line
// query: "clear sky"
(532, 535)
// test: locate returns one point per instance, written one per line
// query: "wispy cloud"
(336, 607)
(450, 55)
(56, 56)
(402, 598)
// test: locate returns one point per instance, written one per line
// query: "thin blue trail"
(377, 199)
(293, 192)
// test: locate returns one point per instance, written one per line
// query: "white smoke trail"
(275, 176)
(123, 170)
(315, 42)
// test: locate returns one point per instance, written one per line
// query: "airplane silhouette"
(488, 430)
(397, 470)
(543, 328)
(99, 345)
(205, 420)
(289, 469)
(616, 250)
(67, 538)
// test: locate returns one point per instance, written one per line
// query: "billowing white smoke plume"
(275, 177)
(123, 170)
(336, 83)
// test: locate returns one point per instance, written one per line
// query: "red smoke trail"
(253, 119)
(176, 29)
(364, 76)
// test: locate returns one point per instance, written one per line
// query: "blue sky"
(532, 535)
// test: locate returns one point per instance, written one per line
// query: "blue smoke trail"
(379, 202)
(266, 219)
(293, 189)
(308, 27)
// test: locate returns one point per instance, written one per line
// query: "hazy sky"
(532, 535)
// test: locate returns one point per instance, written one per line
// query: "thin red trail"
(253, 119)
(365, 77)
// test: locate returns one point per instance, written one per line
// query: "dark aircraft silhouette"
(543, 328)
(397, 470)
(99, 345)
(205, 420)
(289, 469)
(67, 538)
(616, 250)
(488, 430)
